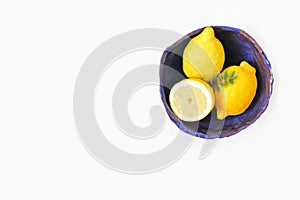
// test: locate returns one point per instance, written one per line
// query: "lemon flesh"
(234, 99)
(204, 56)
(191, 99)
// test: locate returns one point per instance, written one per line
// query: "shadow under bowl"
(238, 46)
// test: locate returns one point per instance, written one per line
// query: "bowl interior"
(238, 46)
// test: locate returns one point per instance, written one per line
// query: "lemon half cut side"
(191, 99)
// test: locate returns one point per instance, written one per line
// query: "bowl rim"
(179, 123)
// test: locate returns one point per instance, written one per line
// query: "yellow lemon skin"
(235, 98)
(204, 56)
(191, 99)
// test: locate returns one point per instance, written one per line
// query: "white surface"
(42, 47)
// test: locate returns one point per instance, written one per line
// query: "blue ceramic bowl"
(238, 46)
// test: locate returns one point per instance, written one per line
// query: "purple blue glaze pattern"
(238, 46)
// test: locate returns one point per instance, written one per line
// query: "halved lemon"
(191, 99)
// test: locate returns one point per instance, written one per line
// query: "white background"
(42, 47)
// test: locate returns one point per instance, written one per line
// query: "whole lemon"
(235, 89)
(204, 56)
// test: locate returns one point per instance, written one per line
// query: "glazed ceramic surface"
(238, 46)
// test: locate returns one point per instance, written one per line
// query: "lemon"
(191, 99)
(204, 56)
(235, 94)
